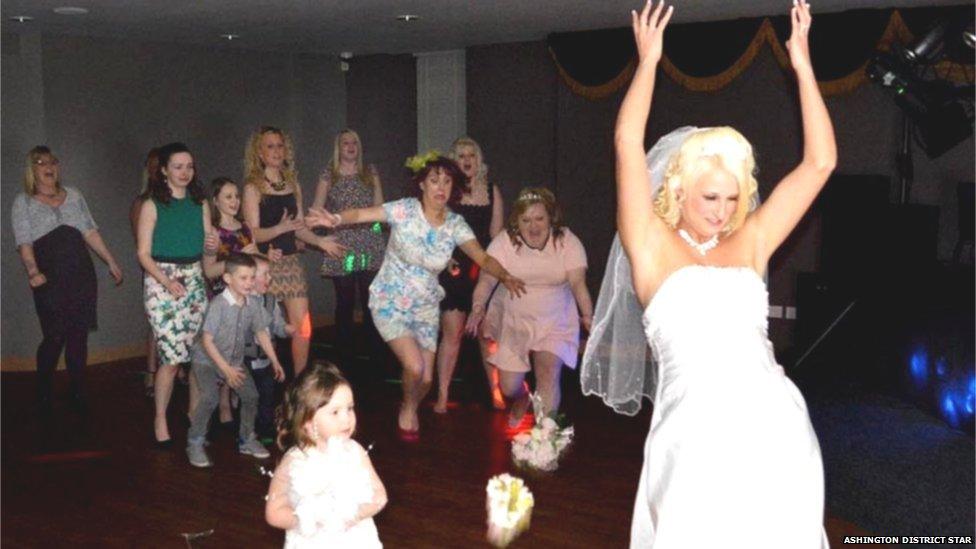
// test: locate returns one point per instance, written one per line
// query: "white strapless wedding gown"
(731, 459)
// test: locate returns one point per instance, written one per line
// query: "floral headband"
(417, 163)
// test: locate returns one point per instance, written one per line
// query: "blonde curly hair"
(722, 147)
(254, 167)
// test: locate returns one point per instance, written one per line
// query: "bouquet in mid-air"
(509, 505)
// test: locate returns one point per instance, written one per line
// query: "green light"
(349, 262)
(900, 91)
(377, 228)
(363, 261)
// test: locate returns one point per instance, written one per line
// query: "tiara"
(530, 196)
(417, 162)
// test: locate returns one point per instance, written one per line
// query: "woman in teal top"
(171, 229)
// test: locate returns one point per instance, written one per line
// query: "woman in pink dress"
(540, 331)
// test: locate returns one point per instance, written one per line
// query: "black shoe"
(164, 444)
(78, 403)
(45, 408)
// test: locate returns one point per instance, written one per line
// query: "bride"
(731, 459)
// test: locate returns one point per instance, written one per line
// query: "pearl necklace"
(703, 247)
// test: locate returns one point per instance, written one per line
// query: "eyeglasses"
(52, 162)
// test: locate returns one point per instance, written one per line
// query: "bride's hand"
(649, 31)
(798, 44)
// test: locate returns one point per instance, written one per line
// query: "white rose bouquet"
(541, 447)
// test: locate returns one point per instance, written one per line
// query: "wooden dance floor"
(98, 481)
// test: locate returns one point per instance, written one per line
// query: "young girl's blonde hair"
(311, 390)
(710, 148)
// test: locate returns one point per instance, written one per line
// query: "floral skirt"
(400, 316)
(287, 278)
(176, 322)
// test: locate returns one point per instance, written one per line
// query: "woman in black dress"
(482, 208)
(272, 208)
(53, 230)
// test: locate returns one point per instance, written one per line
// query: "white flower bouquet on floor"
(541, 447)
(509, 505)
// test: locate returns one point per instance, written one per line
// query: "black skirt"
(68, 299)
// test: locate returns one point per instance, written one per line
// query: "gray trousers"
(207, 378)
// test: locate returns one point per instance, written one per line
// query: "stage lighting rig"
(942, 112)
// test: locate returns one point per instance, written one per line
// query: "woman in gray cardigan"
(53, 229)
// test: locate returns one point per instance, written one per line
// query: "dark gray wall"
(382, 108)
(511, 92)
(761, 104)
(101, 104)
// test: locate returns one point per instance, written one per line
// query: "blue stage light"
(918, 366)
(970, 395)
(941, 367)
(948, 408)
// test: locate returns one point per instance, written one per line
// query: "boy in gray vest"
(219, 355)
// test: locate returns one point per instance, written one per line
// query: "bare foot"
(440, 407)
(517, 412)
(497, 400)
(408, 421)
(161, 429)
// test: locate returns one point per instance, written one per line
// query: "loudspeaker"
(865, 239)
(853, 211)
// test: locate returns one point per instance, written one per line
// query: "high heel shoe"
(409, 436)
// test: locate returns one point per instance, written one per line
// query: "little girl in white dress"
(325, 492)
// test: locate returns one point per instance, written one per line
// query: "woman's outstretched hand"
(473, 324)
(515, 286)
(320, 217)
(649, 31)
(799, 44)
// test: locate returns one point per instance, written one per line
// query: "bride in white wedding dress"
(731, 459)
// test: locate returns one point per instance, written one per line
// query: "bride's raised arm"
(793, 195)
(633, 190)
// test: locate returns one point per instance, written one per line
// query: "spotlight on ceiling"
(70, 10)
(21, 18)
(230, 36)
(407, 18)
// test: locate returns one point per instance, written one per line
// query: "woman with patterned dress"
(482, 207)
(346, 184)
(405, 295)
(172, 225)
(53, 230)
(273, 210)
